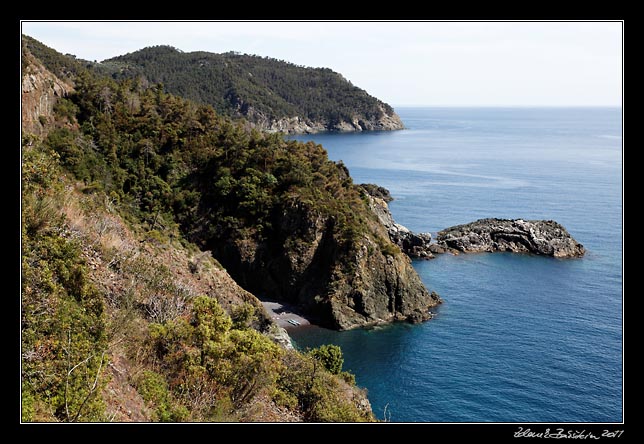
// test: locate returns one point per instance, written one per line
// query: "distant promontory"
(272, 95)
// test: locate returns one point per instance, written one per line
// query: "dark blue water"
(519, 338)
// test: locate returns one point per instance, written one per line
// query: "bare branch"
(92, 389)
(69, 344)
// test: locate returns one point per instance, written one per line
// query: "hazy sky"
(408, 63)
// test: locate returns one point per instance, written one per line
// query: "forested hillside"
(148, 223)
(271, 94)
(123, 318)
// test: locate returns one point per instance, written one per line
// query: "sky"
(401, 63)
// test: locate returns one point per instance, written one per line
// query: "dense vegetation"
(234, 83)
(177, 165)
(64, 336)
(180, 174)
(260, 89)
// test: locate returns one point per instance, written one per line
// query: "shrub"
(66, 108)
(348, 377)
(320, 395)
(154, 390)
(63, 331)
(243, 316)
(330, 356)
(231, 366)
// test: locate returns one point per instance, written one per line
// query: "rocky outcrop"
(40, 90)
(280, 336)
(415, 245)
(302, 125)
(374, 190)
(543, 237)
(338, 284)
(384, 288)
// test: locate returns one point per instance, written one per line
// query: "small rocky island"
(541, 237)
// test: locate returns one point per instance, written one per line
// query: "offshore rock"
(542, 237)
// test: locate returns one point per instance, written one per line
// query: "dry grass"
(143, 282)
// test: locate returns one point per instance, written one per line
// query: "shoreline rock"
(342, 285)
(303, 125)
(541, 237)
(414, 245)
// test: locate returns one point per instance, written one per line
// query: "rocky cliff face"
(546, 238)
(384, 288)
(341, 285)
(40, 90)
(415, 245)
(302, 125)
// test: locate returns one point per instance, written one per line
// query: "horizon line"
(500, 106)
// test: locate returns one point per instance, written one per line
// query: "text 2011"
(566, 434)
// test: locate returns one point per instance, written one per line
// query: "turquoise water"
(518, 338)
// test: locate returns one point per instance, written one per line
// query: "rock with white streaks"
(542, 237)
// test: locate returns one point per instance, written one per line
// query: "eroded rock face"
(40, 90)
(384, 288)
(280, 336)
(302, 125)
(338, 285)
(415, 245)
(543, 237)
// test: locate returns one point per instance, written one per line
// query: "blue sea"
(519, 338)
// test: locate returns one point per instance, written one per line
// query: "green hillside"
(252, 86)
(271, 94)
(123, 316)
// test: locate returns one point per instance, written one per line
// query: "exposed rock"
(280, 336)
(415, 245)
(303, 125)
(40, 90)
(537, 236)
(384, 288)
(377, 191)
(541, 237)
(437, 249)
(340, 285)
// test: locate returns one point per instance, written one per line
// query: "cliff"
(340, 284)
(547, 238)
(414, 245)
(40, 90)
(302, 125)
